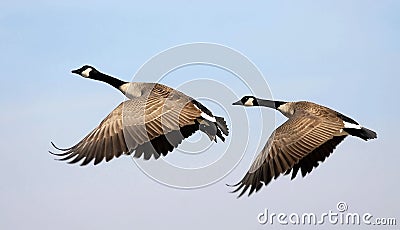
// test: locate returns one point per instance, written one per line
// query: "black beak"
(237, 103)
(76, 71)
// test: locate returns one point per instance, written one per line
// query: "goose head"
(247, 101)
(253, 101)
(86, 71)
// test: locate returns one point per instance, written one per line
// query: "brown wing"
(106, 141)
(151, 125)
(291, 142)
(167, 120)
(311, 161)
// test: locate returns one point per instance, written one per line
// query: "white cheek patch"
(249, 102)
(86, 72)
(351, 126)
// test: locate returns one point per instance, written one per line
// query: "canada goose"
(154, 121)
(307, 138)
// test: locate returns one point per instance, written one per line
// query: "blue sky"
(343, 54)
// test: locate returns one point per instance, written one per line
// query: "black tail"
(362, 133)
(222, 125)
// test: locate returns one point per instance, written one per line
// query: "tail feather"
(368, 134)
(363, 133)
(219, 134)
(222, 125)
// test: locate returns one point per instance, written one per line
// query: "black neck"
(107, 79)
(270, 104)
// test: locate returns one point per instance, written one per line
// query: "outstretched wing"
(302, 140)
(152, 125)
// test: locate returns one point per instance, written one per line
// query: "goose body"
(152, 122)
(308, 137)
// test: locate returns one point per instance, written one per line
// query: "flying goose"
(308, 137)
(152, 122)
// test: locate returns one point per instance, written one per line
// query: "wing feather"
(299, 143)
(140, 124)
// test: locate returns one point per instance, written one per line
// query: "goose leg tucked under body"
(308, 137)
(153, 122)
